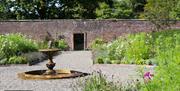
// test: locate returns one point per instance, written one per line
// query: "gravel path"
(76, 60)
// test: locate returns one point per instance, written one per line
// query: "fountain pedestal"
(50, 69)
(50, 65)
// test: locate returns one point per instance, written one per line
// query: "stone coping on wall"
(49, 20)
(77, 20)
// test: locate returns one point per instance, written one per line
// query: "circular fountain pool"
(60, 74)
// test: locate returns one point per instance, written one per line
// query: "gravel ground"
(75, 60)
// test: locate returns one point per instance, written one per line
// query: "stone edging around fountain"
(38, 75)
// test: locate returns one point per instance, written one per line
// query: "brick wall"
(106, 29)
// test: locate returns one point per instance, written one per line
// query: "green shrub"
(42, 45)
(17, 60)
(97, 43)
(100, 60)
(15, 45)
(166, 73)
(3, 61)
(99, 50)
(61, 44)
(136, 48)
(161, 48)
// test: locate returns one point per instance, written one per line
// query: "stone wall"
(106, 29)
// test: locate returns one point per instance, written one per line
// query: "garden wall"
(106, 29)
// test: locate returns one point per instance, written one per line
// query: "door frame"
(85, 39)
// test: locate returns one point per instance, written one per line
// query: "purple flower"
(148, 75)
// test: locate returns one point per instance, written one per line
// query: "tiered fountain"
(50, 73)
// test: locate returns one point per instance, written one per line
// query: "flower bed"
(12, 46)
(141, 48)
(160, 48)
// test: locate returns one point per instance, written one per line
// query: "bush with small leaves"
(15, 44)
(137, 48)
(17, 60)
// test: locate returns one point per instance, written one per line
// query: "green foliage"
(167, 72)
(89, 9)
(176, 11)
(17, 60)
(42, 44)
(137, 6)
(97, 43)
(14, 60)
(15, 45)
(161, 12)
(138, 48)
(161, 48)
(3, 15)
(99, 50)
(73, 9)
(48, 9)
(104, 11)
(61, 44)
(120, 10)
(142, 48)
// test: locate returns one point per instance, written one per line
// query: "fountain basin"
(60, 74)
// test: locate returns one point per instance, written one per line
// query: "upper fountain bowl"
(49, 50)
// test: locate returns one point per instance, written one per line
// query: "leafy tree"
(70, 9)
(137, 6)
(79, 8)
(161, 13)
(176, 11)
(119, 10)
(24, 9)
(4, 11)
(1, 10)
(48, 9)
(104, 11)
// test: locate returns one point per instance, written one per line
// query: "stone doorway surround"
(79, 41)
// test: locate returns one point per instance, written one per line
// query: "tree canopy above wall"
(73, 9)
